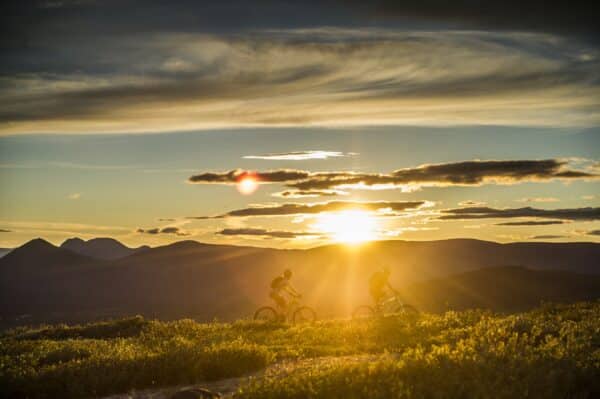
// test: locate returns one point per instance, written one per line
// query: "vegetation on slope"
(553, 351)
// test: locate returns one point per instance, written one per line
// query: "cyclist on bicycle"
(280, 285)
(380, 287)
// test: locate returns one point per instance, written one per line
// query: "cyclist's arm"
(391, 288)
(291, 290)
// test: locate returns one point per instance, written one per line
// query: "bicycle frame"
(389, 305)
(290, 308)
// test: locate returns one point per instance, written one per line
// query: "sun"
(247, 184)
(352, 227)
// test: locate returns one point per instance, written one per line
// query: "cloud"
(309, 193)
(546, 237)
(560, 16)
(267, 233)
(471, 203)
(188, 80)
(383, 207)
(594, 232)
(465, 173)
(74, 196)
(5, 231)
(538, 199)
(532, 223)
(234, 176)
(163, 230)
(578, 214)
(301, 155)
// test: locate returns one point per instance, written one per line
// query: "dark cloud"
(532, 223)
(267, 233)
(572, 17)
(594, 233)
(234, 176)
(332, 206)
(163, 230)
(456, 173)
(5, 231)
(546, 237)
(88, 18)
(579, 214)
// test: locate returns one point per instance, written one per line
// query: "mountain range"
(40, 282)
(101, 248)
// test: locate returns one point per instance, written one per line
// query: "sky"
(296, 124)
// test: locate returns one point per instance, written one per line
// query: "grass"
(550, 352)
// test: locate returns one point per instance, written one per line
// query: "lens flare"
(352, 226)
(247, 184)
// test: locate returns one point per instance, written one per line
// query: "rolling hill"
(191, 279)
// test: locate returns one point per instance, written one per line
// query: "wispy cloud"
(74, 196)
(309, 193)
(163, 230)
(301, 155)
(384, 207)
(323, 77)
(580, 214)
(268, 233)
(532, 223)
(471, 203)
(538, 199)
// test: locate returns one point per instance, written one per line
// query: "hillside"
(190, 279)
(553, 350)
(502, 289)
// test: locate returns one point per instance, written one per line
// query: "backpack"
(276, 283)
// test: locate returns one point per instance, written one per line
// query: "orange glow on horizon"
(351, 227)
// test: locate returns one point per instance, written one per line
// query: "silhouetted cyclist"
(280, 285)
(380, 287)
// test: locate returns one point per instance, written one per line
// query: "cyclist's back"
(378, 284)
(279, 285)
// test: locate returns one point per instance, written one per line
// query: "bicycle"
(295, 312)
(392, 305)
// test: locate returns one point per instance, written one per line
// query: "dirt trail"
(229, 386)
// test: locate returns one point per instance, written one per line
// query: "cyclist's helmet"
(287, 273)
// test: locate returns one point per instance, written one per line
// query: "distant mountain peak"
(37, 243)
(106, 248)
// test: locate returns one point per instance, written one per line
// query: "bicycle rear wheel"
(363, 312)
(304, 314)
(266, 314)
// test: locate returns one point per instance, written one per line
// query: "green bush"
(550, 352)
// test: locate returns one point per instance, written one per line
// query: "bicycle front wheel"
(304, 314)
(266, 314)
(363, 312)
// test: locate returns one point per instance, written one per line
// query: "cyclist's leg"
(377, 295)
(279, 301)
